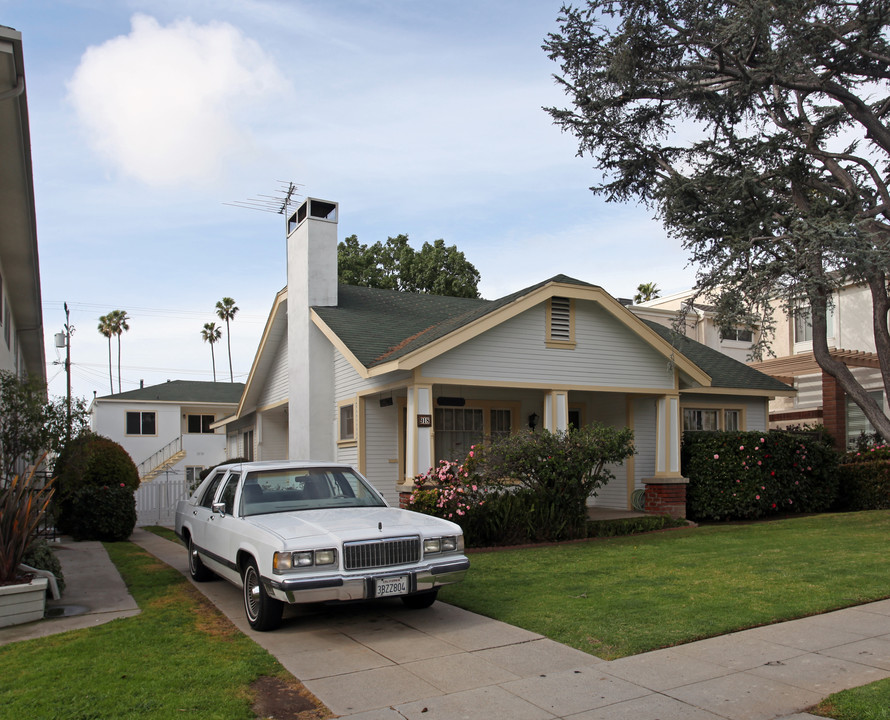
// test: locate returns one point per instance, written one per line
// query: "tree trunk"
(229, 343)
(118, 363)
(213, 360)
(840, 372)
(110, 371)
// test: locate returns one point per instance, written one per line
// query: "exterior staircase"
(162, 460)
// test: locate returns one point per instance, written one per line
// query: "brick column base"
(404, 498)
(665, 496)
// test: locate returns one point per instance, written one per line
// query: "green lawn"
(179, 658)
(623, 596)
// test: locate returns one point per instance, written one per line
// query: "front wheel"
(420, 600)
(263, 612)
(197, 570)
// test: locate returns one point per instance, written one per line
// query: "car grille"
(380, 553)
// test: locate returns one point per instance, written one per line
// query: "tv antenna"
(278, 203)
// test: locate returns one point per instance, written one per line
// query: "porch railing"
(160, 457)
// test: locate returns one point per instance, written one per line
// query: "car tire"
(421, 600)
(197, 570)
(263, 612)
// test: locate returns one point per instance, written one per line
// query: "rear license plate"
(392, 586)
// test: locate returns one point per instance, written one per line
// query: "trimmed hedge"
(865, 480)
(751, 475)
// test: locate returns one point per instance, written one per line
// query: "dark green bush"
(94, 469)
(105, 513)
(865, 480)
(41, 556)
(750, 475)
(556, 473)
(631, 526)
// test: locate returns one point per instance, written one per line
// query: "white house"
(819, 399)
(393, 382)
(21, 311)
(168, 429)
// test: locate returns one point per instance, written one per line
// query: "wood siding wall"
(607, 354)
(276, 387)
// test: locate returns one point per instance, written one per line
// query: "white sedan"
(295, 532)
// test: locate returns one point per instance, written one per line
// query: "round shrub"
(94, 469)
(99, 513)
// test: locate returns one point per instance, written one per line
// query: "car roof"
(281, 465)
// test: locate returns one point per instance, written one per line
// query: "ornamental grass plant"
(22, 505)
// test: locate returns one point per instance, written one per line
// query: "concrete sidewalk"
(94, 594)
(382, 662)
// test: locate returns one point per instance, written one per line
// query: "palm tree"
(106, 330)
(646, 291)
(212, 334)
(118, 320)
(226, 310)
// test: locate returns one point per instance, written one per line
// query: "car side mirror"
(219, 507)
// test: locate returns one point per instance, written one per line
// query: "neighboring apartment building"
(168, 429)
(392, 382)
(819, 399)
(21, 311)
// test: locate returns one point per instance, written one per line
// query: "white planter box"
(22, 603)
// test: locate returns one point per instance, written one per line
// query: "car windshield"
(284, 490)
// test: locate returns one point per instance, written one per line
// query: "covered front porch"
(424, 423)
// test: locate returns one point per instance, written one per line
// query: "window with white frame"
(803, 324)
(738, 335)
(141, 423)
(857, 423)
(193, 474)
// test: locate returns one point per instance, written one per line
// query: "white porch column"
(556, 411)
(419, 444)
(667, 437)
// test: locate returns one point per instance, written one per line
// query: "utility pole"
(68, 332)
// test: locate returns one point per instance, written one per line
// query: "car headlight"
(449, 543)
(283, 562)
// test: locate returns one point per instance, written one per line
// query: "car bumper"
(362, 586)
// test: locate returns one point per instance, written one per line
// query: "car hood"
(348, 524)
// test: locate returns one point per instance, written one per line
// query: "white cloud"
(165, 105)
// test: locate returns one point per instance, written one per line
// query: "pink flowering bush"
(749, 475)
(447, 491)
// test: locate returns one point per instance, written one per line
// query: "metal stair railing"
(160, 457)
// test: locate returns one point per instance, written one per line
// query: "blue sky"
(418, 117)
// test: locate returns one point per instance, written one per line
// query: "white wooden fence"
(156, 501)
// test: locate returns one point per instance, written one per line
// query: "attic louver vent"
(560, 319)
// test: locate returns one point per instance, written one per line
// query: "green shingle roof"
(383, 325)
(724, 370)
(193, 391)
(379, 326)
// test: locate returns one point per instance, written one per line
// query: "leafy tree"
(758, 131)
(31, 425)
(212, 334)
(106, 330)
(646, 291)
(436, 268)
(225, 310)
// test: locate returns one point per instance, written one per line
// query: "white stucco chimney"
(311, 282)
